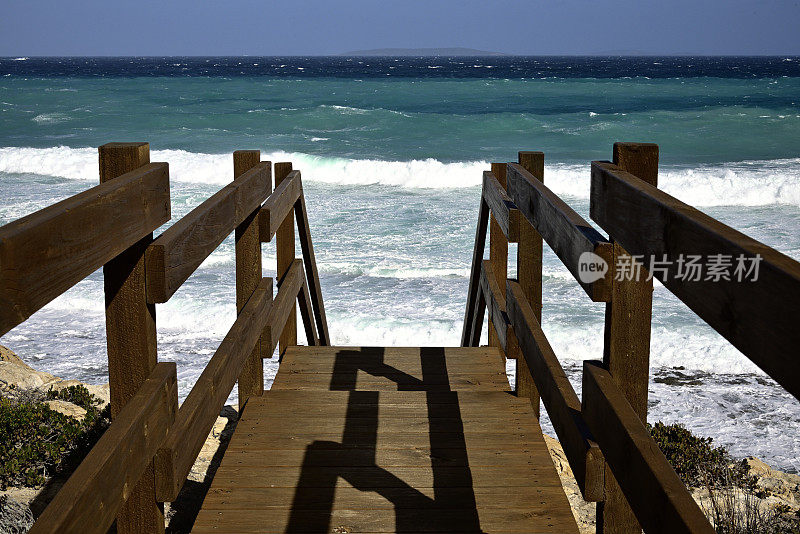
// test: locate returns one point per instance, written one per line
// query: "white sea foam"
(50, 118)
(755, 183)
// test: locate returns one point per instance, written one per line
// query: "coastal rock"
(218, 436)
(783, 486)
(15, 517)
(8, 355)
(584, 512)
(777, 490)
(67, 408)
(16, 374)
(20, 376)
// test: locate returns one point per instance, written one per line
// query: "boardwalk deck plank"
(387, 440)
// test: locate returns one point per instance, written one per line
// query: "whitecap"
(50, 118)
(752, 183)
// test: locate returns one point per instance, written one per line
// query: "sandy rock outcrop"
(783, 486)
(583, 511)
(14, 373)
(66, 408)
(776, 489)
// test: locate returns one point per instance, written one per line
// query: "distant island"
(430, 52)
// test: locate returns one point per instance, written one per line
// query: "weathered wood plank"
(201, 408)
(652, 488)
(90, 499)
(468, 400)
(285, 255)
(626, 347)
(248, 261)
(47, 252)
(350, 498)
(495, 304)
(559, 397)
(310, 262)
(501, 207)
(407, 521)
(471, 399)
(344, 360)
(529, 275)
(471, 318)
(419, 423)
(280, 203)
(183, 247)
(649, 222)
(283, 309)
(509, 476)
(394, 440)
(307, 314)
(130, 329)
(567, 233)
(498, 253)
(391, 382)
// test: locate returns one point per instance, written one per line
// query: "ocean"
(391, 152)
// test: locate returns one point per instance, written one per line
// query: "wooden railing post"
(498, 250)
(284, 245)
(248, 276)
(130, 336)
(529, 275)
(626, 352)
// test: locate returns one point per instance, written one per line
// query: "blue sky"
(315, 27)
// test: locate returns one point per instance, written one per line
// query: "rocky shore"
(774, 490)
(16, 377)
(775, 493)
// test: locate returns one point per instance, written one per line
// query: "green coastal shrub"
(78, 395)
(695, 458)
(734, 500)
(37, 442)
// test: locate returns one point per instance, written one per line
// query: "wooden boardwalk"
(387, 440)
(390, 439)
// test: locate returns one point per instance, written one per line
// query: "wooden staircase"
(389, 439)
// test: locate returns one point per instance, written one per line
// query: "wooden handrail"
(567, 233)
(279, 205)
(312, 275)
(470, 336)
(501, 206)
(495, 301)
(180, 250)
(651, 223)
(652, 488)
(558, 396)
(47, 252)
(613, 457)
(143, 457)
(88, 502)
(202, 406)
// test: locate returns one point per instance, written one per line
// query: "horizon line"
(494, 55)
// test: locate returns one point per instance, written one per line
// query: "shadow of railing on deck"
(313, 501)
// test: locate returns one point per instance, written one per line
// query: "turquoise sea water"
(391, 152)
